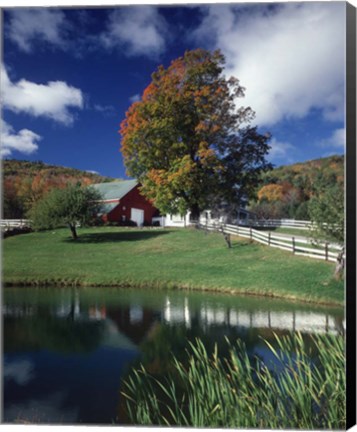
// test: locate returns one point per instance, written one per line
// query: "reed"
(304, 389)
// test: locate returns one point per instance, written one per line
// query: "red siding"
(132, 199)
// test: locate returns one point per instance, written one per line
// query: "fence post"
(251, 233)
(326, 251)
(293, 241)
(269, 234)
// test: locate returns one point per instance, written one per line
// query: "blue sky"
(70, 74)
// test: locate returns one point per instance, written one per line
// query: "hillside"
(14, 168)
(306, 173)
(24, 183)
(286, 191)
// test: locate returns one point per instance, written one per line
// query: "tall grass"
(304, 389)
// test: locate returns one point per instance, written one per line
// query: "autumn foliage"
(26, 183)
(186, 141)
(291, 191)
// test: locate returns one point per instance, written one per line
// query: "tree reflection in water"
(85, 342)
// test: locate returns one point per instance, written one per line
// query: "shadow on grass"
(113, 237)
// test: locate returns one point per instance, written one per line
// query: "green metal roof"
(106, 208)
(115, 190)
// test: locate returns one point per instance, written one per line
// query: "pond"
(67, 350)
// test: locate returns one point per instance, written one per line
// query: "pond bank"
(168, 286)
(166, 259)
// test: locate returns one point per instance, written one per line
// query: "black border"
(350, 296)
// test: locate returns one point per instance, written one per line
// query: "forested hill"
(24, 183)
(305, 173)
(13, 168)
(286, 191)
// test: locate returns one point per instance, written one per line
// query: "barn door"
(137, 216)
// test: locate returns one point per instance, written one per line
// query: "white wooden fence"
(279, 223)
(297, 245)
(276, 223)
(8, 224)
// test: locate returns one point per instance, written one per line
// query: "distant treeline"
(288, 191)
(285, 192)
(24, 183)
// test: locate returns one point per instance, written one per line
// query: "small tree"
(326, 210)
(70, 206)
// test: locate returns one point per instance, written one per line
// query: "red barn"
(123, 202)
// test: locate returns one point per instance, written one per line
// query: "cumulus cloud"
(289, 57)
(280, 150)
(36, 24)
(336, 140)
(24, 141)
(51, 100)
(138, 30)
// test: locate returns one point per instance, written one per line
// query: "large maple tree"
(186, 140)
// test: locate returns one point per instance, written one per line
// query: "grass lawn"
(165, 258)
(291, 231)
(303, 233)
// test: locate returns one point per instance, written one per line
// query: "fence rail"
(319, 250)
(14, 223)
(279, 223)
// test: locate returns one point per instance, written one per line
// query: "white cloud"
(92, 172)
(33, 24)
(24, 141)
(290, 57)
(280, 150)
(50, 100)
(336, 140)
(139, 30)
(135, 98)
(106, 110)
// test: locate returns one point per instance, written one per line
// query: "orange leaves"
(205, 127)
(201, 127)
(150, 91)
(173, 139)
(215, 128)
(159, 177)
(271, 192)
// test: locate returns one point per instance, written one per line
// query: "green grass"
(166, 258)
(305, 390)
(292, 232)
(304, 233)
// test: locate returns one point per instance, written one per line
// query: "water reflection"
(66, 350)
(310, 322)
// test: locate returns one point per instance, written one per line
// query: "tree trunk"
(340, 265)
(227, 238)
(72, 227)
(195, 213)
